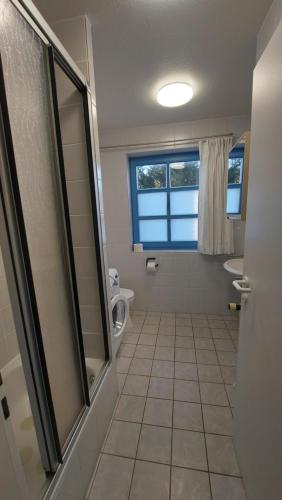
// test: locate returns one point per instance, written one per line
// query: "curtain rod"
(176, 142)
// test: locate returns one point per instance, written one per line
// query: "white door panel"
(258, 421)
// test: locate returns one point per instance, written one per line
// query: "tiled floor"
(171, 435)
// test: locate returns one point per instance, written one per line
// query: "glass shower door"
(33, 175)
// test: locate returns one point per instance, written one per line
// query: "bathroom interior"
(140, 249)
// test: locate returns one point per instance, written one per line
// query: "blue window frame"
(164, 200)
(235, 181)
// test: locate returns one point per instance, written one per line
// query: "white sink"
(234, 266)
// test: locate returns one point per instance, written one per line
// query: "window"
(164, 191)
(235, 181)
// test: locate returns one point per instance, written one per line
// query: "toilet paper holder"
(152, 259)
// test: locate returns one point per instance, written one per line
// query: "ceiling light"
(174, 94)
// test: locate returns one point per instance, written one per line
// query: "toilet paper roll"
(152, 266)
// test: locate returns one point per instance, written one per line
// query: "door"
(258, 420)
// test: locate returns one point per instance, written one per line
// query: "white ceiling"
(139, 45)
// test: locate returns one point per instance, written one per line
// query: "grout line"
(206, 449)
(143, 413)
(174, 465)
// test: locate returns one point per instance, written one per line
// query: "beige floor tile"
(130, 408)
(107, 483)
(221, 455)
(121, 380)
(131, 338)
(206, 357)
(189, 484)
(146, 339)
(231, 391)
(144, 351)
(188, 449)
(200, 322)
(123, 364)
(209, 373)
(186, 371)
(187, 416)
(126, 350)
(123, 439)
(150, 329)
(202, 332)
(232, 325)
(227, 488)
(166, 329)
(229, 374)
(184, 342)
(184, 331)
(158, 412)
(218, 420)
(163, 369)
(133, 327)
(183, 321)
(160, 388)
(185, 355)
(224, 345)
(213, 394)
(204, 344)
(227, 358)
(165, 341)
(185, 390)
(155, 444)
(150, 481)
(136, 385)
(164, 353)
(220, 333)
(140, 366)
(216, 323)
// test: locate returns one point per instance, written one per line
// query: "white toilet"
(121, 299)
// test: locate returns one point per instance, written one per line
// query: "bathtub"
(23, 426)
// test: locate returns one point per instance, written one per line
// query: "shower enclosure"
(52, 273)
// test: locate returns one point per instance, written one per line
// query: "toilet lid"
(129, 294)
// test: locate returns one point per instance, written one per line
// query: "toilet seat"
(129, 294)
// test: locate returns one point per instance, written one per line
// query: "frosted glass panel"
(152, 204)
(27, 86)
(79, 199)
(233, 200)
(184, 202)
(184, 230)
(153, 230)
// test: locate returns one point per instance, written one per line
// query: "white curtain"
(215, 230)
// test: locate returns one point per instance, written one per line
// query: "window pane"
(184, 173)
(184, 202)
(151, 177)
(233, 200)
(235, 170)
(152, 204)
(184, 230)
(153, 230)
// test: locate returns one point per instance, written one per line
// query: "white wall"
(185, 281)
(269, 25)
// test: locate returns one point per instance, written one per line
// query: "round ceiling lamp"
(174, 94)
